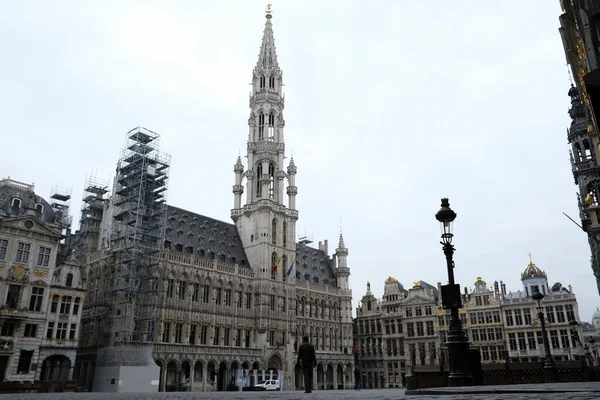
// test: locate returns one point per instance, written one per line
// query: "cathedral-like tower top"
(267, 58)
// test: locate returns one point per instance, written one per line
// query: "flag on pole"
(291, 268)
(276, 268)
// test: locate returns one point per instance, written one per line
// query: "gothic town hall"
(234, 299)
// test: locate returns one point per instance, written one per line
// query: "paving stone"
(574, 391)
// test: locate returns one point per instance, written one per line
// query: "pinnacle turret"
(291, 169)
(341, 245)
(238, 167)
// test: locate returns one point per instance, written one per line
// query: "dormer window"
(69, 281)
(16, 203)
(39, 208)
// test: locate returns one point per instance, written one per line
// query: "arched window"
(39, 208)
(587, 151)
(284, 241)
(271, 126)
(16, 203)
(271, 181)
(262, 82)
(261, 125)
(69, 281)
(271, 82)
(274, 231)
(284, 266)
(274, 265)
(258, 185)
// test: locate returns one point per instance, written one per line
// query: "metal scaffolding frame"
(60, 202)
(138, 225)
(93, 203)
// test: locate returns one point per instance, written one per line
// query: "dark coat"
(306, 356)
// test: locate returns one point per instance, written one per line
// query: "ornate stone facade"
(235, 299)
(41, 293)
(407, 329)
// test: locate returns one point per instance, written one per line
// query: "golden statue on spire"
(269, 7)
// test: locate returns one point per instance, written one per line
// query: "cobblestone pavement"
(580, 392)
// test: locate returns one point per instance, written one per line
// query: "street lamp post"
(458, 346)
(549, 365)
(575, 337)
(594, 351)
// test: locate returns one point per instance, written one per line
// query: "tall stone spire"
(267, 58)
(264, 222)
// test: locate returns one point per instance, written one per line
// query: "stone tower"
(267, 227)
(584, 165)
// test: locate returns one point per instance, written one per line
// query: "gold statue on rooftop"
(269, 7)
(589, 200)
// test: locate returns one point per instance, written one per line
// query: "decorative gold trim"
(40, 274)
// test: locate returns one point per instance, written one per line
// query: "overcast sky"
(390, 105)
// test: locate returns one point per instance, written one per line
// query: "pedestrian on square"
(356, 378)
(308, 361)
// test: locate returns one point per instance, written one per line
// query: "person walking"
(308, 361)
(356, 378)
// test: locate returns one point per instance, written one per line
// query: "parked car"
(268, 385)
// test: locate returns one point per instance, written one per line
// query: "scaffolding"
(60, 202)
(137, 234)
(92, 210)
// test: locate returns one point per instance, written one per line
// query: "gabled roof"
(313, 263)
(203, 236)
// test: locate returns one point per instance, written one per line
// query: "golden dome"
(532, 271)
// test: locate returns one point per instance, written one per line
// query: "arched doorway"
(223, 379)
(255, 367)
(299, 378)
(235, 373)
(340, 377)
(349, 375)
(184, 380)
(198, 376)
(274, 365)
(171, 380)
(329, 377)
(320, 377)
(211, 377)
(56, 368)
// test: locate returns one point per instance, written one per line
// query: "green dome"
(596, 315)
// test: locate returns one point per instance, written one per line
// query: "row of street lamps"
(457, 343)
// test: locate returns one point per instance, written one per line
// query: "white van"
(268, 385)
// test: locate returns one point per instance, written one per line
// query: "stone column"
(204, 376)
(163, 374)
(192, 372)
(335, 384)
